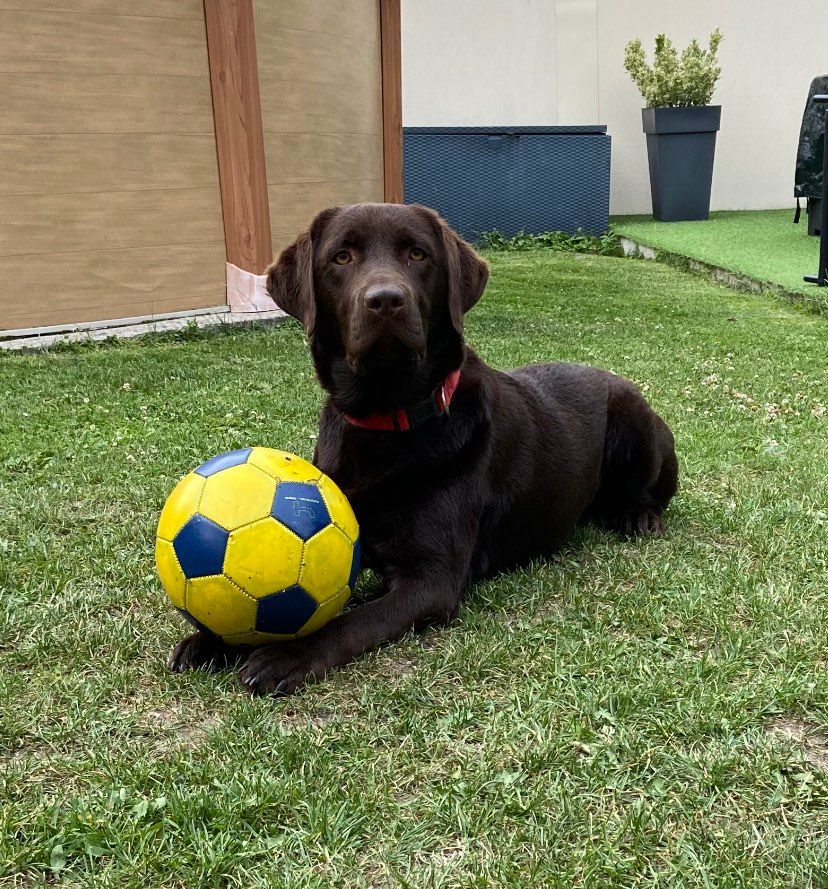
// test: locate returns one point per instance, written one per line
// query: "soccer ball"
(257, 546)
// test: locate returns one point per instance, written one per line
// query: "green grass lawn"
(633, 713)
(762, 244)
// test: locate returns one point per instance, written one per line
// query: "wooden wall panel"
(167, 9)
(294, 201)
(80, 163)
(321, 97)
(117, 103)
(89, 286)
(109, 198)
(107, 219)
(100, 44)
(311, 57)
(352, 19)
(296, 107)
(322, 157)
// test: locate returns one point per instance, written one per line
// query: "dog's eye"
(343, 257)
(417, 254)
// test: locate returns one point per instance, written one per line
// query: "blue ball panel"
(355, 564)
(223, 461)
(196, 623)
(300, 507)
(284, 612)
(200, 547)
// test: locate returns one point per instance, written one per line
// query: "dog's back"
(569, 442)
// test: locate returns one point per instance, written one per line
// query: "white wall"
(478, 62)
(468, 62)
(769, 56)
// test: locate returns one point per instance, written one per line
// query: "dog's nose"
(384, 299)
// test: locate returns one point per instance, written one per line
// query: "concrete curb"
(130, 331)
(726, 277)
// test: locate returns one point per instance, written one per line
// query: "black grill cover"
(808, 180)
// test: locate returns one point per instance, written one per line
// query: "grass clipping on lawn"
(632, 713)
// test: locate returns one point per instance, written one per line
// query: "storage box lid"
(580, 130)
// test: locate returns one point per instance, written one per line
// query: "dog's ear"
(467, 272)
(290, 278)
(467, 276)
(290, 281)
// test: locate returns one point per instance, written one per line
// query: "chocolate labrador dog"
(455, 471)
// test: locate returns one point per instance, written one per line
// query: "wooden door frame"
(237, 117)
(392, 134)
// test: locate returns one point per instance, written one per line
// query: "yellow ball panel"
(283, 466)
(326, 612)
(263, 557)
(339, 508)
(220, 605)
(326, 564)
(181, 506)
(237, 496)
(172, 577)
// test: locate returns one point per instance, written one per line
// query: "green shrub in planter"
(674, 81)
(679, 122)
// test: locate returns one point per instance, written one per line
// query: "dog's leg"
(640, 471)
(409, 604)
(204, 650)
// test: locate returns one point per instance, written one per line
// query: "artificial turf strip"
(763, 245)
(633, 713)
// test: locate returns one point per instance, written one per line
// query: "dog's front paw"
(202, 650)
(280, 669)
(637, 523)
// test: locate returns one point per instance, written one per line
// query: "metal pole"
(821, 277)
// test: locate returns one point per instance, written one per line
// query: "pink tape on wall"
(246, 292)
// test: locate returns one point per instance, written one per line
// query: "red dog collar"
(402, 419)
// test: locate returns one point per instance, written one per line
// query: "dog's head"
(381, 290)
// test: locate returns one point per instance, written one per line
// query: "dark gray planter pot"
(681, 143)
